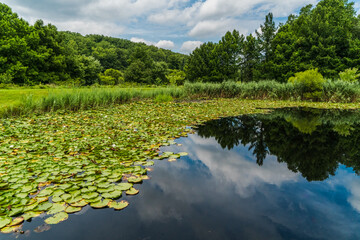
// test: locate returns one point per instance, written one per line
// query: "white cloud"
(189, 46)
(165, 44)
(141, 40)
(212, 28)
(205, 20)
(231, 167)
(90, 27)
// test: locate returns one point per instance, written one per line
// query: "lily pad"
(46, 192)
(30, 215)
(10, 229)
(59, 217)
(113, 195)
(132, 191)
(134, 180)
(16, 221)
(44, 206)
(90, 195)
(56, 208)
(81, 203)
(16, 211)
(72, 209)
(183, 154)
(4, 220)
(123, 186)
(118, 205)
(100, 204)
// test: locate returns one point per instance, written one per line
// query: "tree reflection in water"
(311, 141)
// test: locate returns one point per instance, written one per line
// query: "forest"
(324, 38)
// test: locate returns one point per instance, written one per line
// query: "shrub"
(349, 75)
(163, 98)
(311, 82)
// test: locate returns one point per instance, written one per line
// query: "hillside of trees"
(40, 54)
(325, 37)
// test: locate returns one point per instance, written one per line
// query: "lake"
(291, 174)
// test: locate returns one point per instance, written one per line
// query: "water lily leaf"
(97, 199)
(134, 180)
(31, 206)
(132, 191)
(22, 195)
(148, 164)
(103, 185)
(74, 199)
(75, 193)
(41, 199)
(100, 204)
(16, 211)
(81, 203)
(57, 199)
(10, 229)
(172, 160)
(58, 192)
(46, 192)
(27, 189)
(56, 208)
(44, 206)
(72, 209)
(16, 221)
(118, 205)
(145, 177)
(66, 196)
(65, 186)
(174, 156)
(59, 217)
(183, 154)
(113, 195)
(105, 190)
(30, 215)
(92, 188)
(90, 195)
(4, 220)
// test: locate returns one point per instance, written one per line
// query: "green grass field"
(9, 97)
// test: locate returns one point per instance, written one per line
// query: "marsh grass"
(83, 99)
(76, 100)
(333, 91)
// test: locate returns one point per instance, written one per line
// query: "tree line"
(325, 37)
(40, 54)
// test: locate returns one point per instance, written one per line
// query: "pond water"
(291, 174)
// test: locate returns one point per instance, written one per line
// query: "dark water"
(287, 175)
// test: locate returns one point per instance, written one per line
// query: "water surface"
(291, 174)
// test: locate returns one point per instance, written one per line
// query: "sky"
(178, 25)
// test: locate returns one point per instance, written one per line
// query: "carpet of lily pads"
(54, 164)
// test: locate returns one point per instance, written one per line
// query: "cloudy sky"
(179, 25)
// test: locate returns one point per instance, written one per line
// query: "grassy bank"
(37, 101)
(333, 91)
(17, 102)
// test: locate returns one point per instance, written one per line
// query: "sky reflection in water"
(216, 193)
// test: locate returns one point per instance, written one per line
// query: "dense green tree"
(250, 63)
(227, 56)
(200, 66)
(323, 37)
(265, 38)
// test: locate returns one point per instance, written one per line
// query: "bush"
(163, 98)
(349, 75)
(311, 82)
